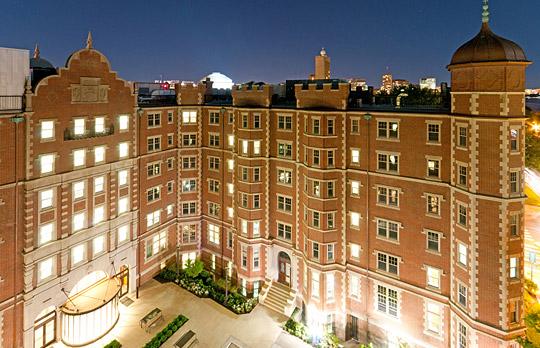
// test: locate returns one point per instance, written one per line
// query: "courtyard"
(214, 325)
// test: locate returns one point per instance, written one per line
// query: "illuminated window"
(46, 198)
(189, 117)
(45, 269)
(354, 286)
(46, 233)
(99, 214)
(230, 164)
(79, 221)
(123, 150)
(256, 226)
(355, 251)
(231, 140)
(213, 234)
(153, 169)
(434, 318)
(99, 183)
(315, 285)
(99, 124)
(78, 254)
(355, 219)
(153, 218)
(78, 126)
(433, 277)
(46, 163)
(284, 177)
(514, 269)
(79, 157)
(123, 177)
(330, 281)
(79, 189)
(123, 205)
(230, 188)
(462, 254)
(170, 209)
(355, 188)
(355, 156)
(47, 130)
(157, 244)
(123, 233)
(230, 212)
(99, 154)
(257, 147)
(433, 204)
(98, 245)
(245, 148)
(123, 122)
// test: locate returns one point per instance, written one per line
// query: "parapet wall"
(190, 93)
(322, 96)
(252, 95)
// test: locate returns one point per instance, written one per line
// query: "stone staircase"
(278, 297)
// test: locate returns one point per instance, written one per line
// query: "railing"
(69, 133)
(11, 102)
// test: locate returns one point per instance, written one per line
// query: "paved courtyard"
(213, 324)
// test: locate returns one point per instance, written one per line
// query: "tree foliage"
(415, 95)
(532, 316)
(194, 268)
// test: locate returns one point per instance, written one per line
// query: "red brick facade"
(399, 227)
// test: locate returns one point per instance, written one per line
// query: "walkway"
(213, 324)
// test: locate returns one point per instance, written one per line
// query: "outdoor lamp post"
(177, 263)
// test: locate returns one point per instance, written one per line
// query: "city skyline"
(216, 37)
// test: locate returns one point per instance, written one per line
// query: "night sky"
(270, 40)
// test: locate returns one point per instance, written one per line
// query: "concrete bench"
(187, 340)
(150, 319)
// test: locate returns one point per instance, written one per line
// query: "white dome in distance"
(219, 80)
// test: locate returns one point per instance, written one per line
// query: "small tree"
(193, 268)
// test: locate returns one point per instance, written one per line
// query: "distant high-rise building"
(357, 83)
(400, 83)
(428, 82)
(387, 82)
(322, 66)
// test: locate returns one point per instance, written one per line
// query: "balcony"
(11, 103)
(69, 133)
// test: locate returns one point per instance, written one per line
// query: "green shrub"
(167, 332)
(113, 344)
(193, 268)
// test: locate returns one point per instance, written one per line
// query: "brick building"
(384, 224)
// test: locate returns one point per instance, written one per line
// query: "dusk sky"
(269, 40)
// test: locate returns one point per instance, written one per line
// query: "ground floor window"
(45, 329)
(330, 324)
(387, 300)
(462, 336)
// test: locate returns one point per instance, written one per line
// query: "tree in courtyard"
(532, 316)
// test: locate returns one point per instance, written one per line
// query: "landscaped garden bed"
(113, 344)
(298, 329)
(167, 332)
(201, 283)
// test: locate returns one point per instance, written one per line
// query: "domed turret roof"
(486, 46)
(36, 62)
(220, 81)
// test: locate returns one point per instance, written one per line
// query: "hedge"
(167, 332)
(113, 344)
